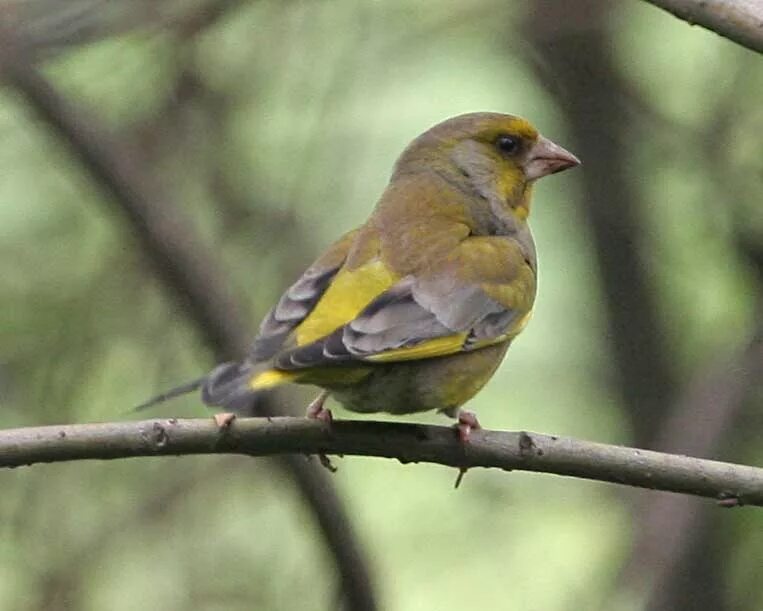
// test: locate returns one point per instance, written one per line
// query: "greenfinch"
(415, 309)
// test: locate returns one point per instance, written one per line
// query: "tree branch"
(732, 484)
(737, 20)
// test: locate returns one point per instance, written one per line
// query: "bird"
(415, 309)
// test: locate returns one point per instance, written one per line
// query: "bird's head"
(497, 156)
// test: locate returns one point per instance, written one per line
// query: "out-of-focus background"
(258, 131)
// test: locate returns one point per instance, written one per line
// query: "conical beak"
(546, 158)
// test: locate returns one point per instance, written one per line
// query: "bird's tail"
(228, 385)
(183, 389)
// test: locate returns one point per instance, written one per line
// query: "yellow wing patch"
(440, 346)
(349, 293)
(445, 346)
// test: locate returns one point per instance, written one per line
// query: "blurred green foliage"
(275, 130)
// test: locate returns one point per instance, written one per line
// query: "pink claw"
(317, 411)
(467, 422)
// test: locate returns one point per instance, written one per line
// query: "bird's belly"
(443, 383)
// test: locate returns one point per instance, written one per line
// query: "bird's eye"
(507, 144)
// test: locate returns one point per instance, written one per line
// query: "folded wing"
(481, 294)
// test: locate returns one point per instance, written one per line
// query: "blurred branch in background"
(730, 484)
(737, 20)
(188, 271)
(159, 225)
(270, 125)
(671, 530)
(50, 28)
(577, 65)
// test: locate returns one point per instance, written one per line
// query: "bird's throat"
(509, 213)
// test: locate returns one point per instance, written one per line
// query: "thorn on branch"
(158, 437)
(326, 463)
(223, 420)
(459, 478)
(527, 447)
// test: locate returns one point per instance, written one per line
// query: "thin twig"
(737, 20)
(730, 483)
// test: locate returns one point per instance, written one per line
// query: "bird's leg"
(316, 409)
(467, 422)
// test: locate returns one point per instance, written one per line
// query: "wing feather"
(442, 313)
(299, 300)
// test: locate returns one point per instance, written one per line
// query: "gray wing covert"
(407, 314)
(299, 300)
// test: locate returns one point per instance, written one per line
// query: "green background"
(273, 129)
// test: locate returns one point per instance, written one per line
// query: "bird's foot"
(223, 420)
(467, 422)
(317, 411)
